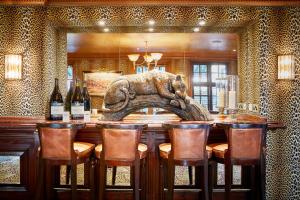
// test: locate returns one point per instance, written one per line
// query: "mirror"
(199, 57)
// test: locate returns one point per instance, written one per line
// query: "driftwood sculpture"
(130, 93)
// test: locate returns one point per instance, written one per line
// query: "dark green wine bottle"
(56, 103)
(87, 98)
(69, 98)
(77, 103)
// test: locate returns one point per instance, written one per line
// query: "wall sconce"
(13, 67)
(286, 67)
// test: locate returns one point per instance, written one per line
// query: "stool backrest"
(245, 140)
(188, 141)
(245, 143)
(120, 141)
(56, 141)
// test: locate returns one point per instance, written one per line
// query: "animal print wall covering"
(289, 98)
(276, 32)
(39, 33)
(21, 29)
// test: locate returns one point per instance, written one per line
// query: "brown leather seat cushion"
(219, 150)
(165, 149)
(142, 150)
(82, 149)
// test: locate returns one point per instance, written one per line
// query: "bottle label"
(66, 116)
(87, 116)
(57, 109)
(77, 110)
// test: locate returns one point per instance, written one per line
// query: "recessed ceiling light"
(196, 29)
(234, 50)
(151, 22)
(202, 23)
(151, 29)
(106, 29)
(101, 23)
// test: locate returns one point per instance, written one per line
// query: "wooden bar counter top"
(18, 138)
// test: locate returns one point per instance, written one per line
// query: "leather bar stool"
(245, 147)
(120, 147)
(187, 148)
(57, 147)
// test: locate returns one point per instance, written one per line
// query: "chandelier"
(148, 58)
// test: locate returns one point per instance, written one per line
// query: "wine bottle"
(69, 98)
(77, 103)
(87, 99)
(56, 103)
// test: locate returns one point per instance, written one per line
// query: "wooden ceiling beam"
(153, 2)
(225, 55)
(23, 2)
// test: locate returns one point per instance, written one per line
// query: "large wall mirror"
(199, 57)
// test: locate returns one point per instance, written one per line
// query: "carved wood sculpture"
(130, 93)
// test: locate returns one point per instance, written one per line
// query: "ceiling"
(167, 43)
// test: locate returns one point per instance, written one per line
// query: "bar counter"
(17, 136)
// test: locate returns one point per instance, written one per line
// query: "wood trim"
(153, 2)
(205, 55)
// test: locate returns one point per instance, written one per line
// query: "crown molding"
(152, 2)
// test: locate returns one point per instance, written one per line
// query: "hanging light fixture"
(286, 67)
(148, 58)
(13, 67)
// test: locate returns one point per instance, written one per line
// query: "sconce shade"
(286, 67)
(13, 67)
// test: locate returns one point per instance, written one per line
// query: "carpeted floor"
(10, 173)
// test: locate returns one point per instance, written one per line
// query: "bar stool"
(57, 147)
(187, 148)
(245, 147)
(120, 147)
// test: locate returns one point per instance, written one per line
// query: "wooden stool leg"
(171, 174)
(161, 179)
(40, 183)
(87, 173)
(49, 180)
(253, 185)
(143, 179)
(102, 178)
(114, 174)
(259, 191)
(211, 170)
(68, 169)
(198, 174)
(228, 178)
(205, 182)
(137, 179)
(262, 173)
(190, 169)
(92, 178)
(74, 180)
(132, 176)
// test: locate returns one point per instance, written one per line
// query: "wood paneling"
(192, 44)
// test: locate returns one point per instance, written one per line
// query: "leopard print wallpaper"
(289, 98)
(39, 33)
(21, 29)
(276, 32)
